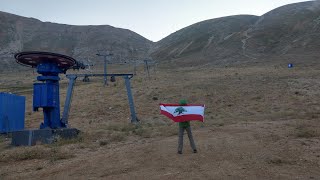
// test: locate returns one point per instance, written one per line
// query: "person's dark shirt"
(184, 124)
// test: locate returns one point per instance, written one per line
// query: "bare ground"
(261, 123)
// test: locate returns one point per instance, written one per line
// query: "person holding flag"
(183, 114)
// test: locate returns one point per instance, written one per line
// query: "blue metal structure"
(130, 98)
(46, 93)
(12, 112)
(65, 116)
(127, 77)
(46, 96)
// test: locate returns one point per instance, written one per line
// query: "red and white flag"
(181, 113)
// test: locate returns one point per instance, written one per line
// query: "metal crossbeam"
(89, 75)
(73, 77)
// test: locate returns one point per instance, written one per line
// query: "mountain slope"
(23, 34)
(289, 29)
(286, 31)
(206, 39)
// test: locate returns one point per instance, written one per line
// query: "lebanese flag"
(179, 113)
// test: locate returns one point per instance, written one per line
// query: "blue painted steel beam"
(130, 98)
(65, 116)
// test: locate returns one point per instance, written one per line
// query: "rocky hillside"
(22, 34)
(286, 31)
(216, 38)
(291, 31)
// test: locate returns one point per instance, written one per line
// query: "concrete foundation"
(42, 136)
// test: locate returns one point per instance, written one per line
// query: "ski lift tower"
(105, 55)
(46, 96)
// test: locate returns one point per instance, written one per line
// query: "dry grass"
(37, 152)
(2, 138)
(256, 127)
(61, 142)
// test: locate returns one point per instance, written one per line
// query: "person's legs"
(193, 146)
(180, 141)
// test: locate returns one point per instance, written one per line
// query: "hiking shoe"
(179, 152)
(195, 151)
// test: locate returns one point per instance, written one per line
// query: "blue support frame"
(67, 104)
(73, 77)
(46, 95)
(130, 99)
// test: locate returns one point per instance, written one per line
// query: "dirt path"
(255, 150)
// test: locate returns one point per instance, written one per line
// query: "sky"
(152, 19)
